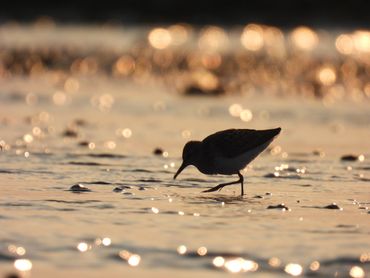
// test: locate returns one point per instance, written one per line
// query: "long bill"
(182, 167)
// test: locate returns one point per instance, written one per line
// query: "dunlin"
(226, 152)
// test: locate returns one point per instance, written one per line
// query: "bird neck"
(201, 159)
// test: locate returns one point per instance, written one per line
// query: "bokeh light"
(83, 247)
(252, 37)
(23, 265)
(106, 241)
(357, 272)
(202, 251)
(293, 269)
(181, 249)
(326, 75)
(344, 44)
(160, 38)
(218, 261)
(213, 38)
(134, 260)
(304, 38)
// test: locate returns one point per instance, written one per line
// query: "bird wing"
(233, 142)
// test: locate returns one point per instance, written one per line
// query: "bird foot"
(216, 188)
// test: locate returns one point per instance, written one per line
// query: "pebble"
(121, 188)
(142, 188)
(84, 143)
(349, 157)
(70, 133)
(117, 189)
(12, 275)
(128, 193)
(80, 122)
(318, 153)
(333, 206)
(279, 206)
(79, 188)
(158, 151)
(195, 90)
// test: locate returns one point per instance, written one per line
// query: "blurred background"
(283, 13)
(308, 48)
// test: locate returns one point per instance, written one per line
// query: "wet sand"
(306, 210)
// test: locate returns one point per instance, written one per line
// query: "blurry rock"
(80, 122)
(333, 206)
(79, 188)
(12, 275)
(271, 175)
(142, 188)
(349, 157)
(318, 153)
(279, 206)
(121, 188)
(70, 133)
(84, 143)
(117, 189)
(195, 90)
(158, 151)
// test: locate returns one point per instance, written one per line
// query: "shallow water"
(135, 220)
(153, 214)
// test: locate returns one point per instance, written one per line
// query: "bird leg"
(220, 186)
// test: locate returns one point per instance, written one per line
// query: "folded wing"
(232, 142)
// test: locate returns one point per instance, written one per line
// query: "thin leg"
(222, 185)
(241, 179)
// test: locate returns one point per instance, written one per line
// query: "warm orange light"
(206, 80)
(71, 85)
(314, 266)
(211, 60)
(23, 264)
(134, 260)
(304, 38)
(326, 75)
(59, 98)
(179, 34)
(357, 272)
(252, 37)
(344, 44)
(160, 38)
(181, 249)
(218, 261)
(202, 251)
(293, 269)
(124, 65)
(246, 115)
(361, 41)
(235, 109)
(214, 38)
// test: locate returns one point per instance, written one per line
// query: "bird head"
(190, 154)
